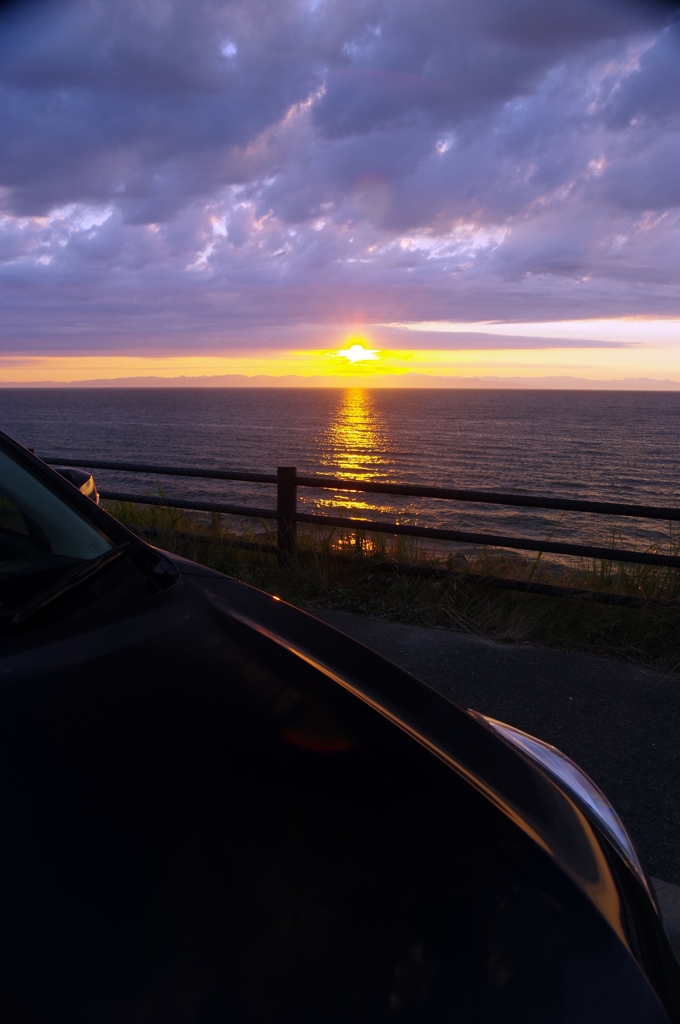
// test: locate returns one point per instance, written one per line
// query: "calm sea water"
(618, 445)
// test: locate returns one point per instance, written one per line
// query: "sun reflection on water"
(355, 445)
(355, 438)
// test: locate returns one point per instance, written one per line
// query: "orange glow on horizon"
(356, 364)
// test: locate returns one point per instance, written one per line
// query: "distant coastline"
(407, 380)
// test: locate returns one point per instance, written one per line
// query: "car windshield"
(39, 532)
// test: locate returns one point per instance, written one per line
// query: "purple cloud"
(178, 174)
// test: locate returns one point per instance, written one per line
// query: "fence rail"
(287, 516)
(334, 483)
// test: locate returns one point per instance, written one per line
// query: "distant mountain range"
(406, 380)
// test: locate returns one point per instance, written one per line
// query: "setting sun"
(358, 354)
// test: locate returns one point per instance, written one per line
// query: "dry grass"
(355, 572)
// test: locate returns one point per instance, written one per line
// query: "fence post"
(286, 507)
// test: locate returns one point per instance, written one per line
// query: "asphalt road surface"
(619, 722)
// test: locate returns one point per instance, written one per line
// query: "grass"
(355, 571)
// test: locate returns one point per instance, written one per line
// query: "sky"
(459, 188)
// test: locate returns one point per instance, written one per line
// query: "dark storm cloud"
(177, 172)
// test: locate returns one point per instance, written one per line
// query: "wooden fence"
(286, 514)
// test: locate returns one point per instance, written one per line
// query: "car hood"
(209, 644)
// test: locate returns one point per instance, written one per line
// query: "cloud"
(214, 174)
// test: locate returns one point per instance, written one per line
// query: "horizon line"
(418, 381)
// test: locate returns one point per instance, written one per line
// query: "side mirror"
(83, 481)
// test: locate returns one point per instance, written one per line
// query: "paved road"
(619, 722)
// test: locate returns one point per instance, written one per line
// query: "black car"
(216, 808)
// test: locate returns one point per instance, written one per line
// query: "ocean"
(622, 446)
